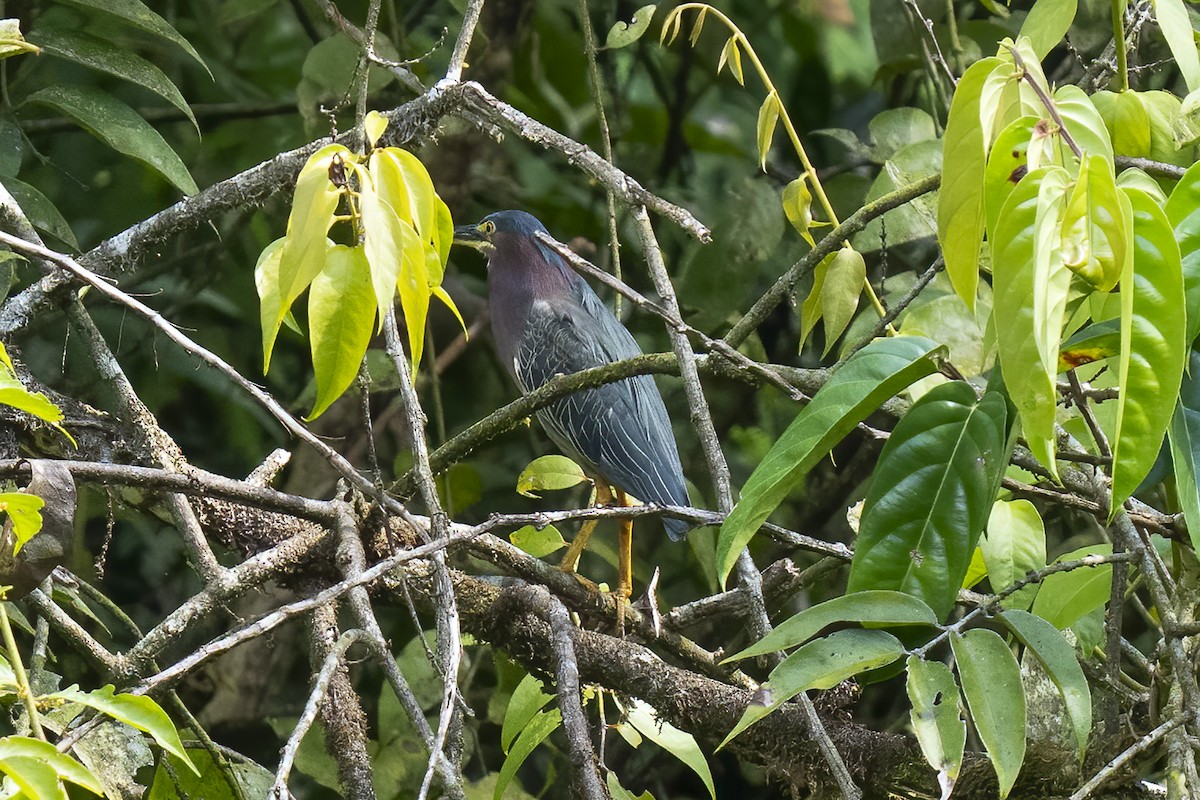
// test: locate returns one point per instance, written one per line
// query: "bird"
(547, 321)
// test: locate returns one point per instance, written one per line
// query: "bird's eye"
(488, 227)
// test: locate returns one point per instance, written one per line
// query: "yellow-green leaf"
(374, 125)
(538, 542)
(797, 207)
(623, 34)
(768, 117)
(1176, 27)
(840, 290)
(341, 310)
(25, 511)
(1095, 230)
(1047, 24)
(732, 54)
(549, 473)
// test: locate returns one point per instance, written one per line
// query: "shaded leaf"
(768, 117)
(623, 34)
(1184, 437)
(678, 743)
(538, 542)
(1014, 544)
(1183, 209)
(137, 14)
(42, 213)
(36, 765)
(797, 207)
(1083, 121)
(534, 733)
(844, 280)
(937, 718)
(991, 682)
(1176, 26)
(12, 42)
(871, 376)
(931, 494)
(527, 699)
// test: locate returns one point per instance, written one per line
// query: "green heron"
(547, 321)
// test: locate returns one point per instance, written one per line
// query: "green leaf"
(1006, 166)
(138, 15)
(811, 310)
(118, 126)
(871, 376)
(844, 280)
(12, 42)
(534, 733)
(1030, 286)
(1083, 121)
(1127, 121)
(797, 207)
(41, 212)
(341, 313)
(373, 126)
(821, 664)
(1015, 544)
(37, 767)
(13, 394)
(136, 711)
(549, 473)
(1047, 23)
(527, 699)
(623, 34)
(991, 681)
(931, 494)
(1065, 597)
(106, 57)
(1176, 26)
(678, 743)
(732, 54)
(768, 117)
(1057, 658)
(538, 542)
(937, 718)
(960, 199)
(1153, 347)
(1094, 343)
(880, 606)
(25, 511)
(1095, 229)
(1183, 209)
(1184, 437)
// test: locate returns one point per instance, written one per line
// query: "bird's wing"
(620, 429)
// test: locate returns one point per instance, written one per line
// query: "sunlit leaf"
(697, 26)
(732, 54)
(1013, 545)
(538, 542)
(137, 711)
(549, 473)
(874, 374)
(797, 207)
(1095, 230)
(1176, 27)
(373, 126)
(1007, 164)
(37, 767)
(768, 117)
(1030, 286)
(1127, 120)
(25, 511)
(12, 42)
(1183, 209)
(937, 718)
(931, 494)
(821, 664)
(1047, 23)
(341, 313)
(1065, 597)
(882, 607)
(1083, 121)
(991, 682)
(1153, 345)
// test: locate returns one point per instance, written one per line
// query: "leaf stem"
(23, 687)
(1118, 22)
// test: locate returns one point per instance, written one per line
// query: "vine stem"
(786, 120)
(25, 690)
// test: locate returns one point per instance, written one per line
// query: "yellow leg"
(625, 553)
(571, 560)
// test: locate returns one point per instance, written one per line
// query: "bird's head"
(496, 229)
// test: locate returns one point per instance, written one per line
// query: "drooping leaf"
(960, 198)
(874, 374)
(137, 711)
(550, 473)
(931, 494)
(991, 682)
(937, 718)
(797, 207)
(623, 34)
(821, 664)
(732, 54)
(840, 290)
(1176, 27)
(811, 310)
(1065, 597)
(880, 606)
(768, 117)
(1057, 658)
(1095, 231)
(1183, 209)
(678, 743)
(534, 733)
(1153, 346)
(1184, 436)
(119, 127)
(1015, 544)
(41, 212)
(341, 313)
(1047, 24)
(1030, 286)
(138, 15)
(1095, 342)
(374, 124)
(106, 57)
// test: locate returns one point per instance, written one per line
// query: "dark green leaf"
(1184, 437)
(991, 681)
(41, 212)
(534, 733)
(138, 15)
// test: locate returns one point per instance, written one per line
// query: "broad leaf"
(874, 374)
(1057, 658)
(960, 198)
(821, 664)
(1095, 230)
(1006, 166)
(797, 207)
(1183, 209)
(37, 767)
(25, 511)
(678, 743)
(341, 313)
(1065, 597)
(991, 682)
(104, 56)
(1176, 27)
(538, 542)
(1153, 346)
(549, 473)
(1047, 24)
(1127, 120)
(1184, 436)
(937, 718)
(840, 289)
(879, 607)
(623, 34)
(137, 14)
(1083, 121)
(1015, 544)
(118, 126)
(1030, 286)
(931, 494)
(137, 711)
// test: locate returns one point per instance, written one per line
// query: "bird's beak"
(472, 236)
